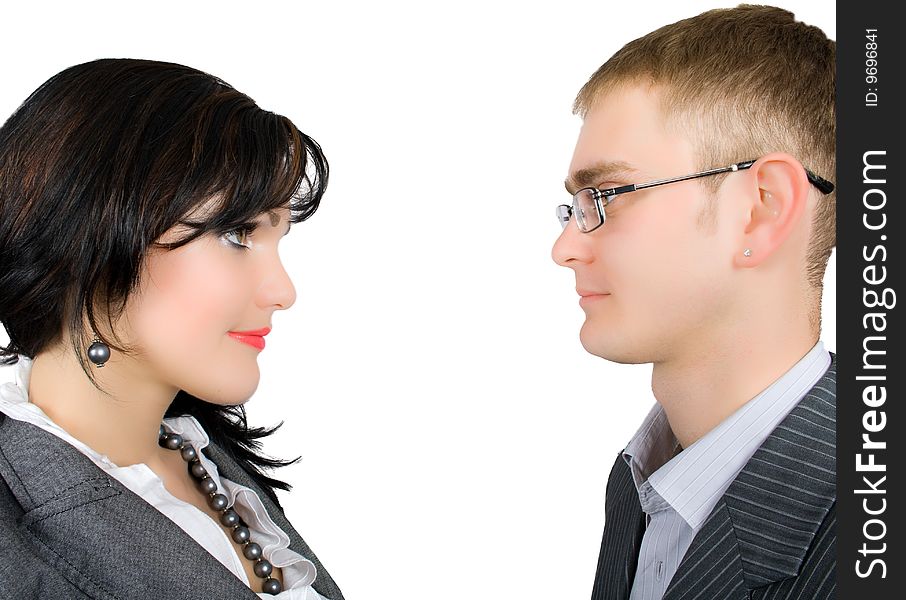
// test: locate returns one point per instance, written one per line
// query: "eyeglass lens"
(563, 214)
(586, 210)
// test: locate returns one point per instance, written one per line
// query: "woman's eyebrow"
(275, 220)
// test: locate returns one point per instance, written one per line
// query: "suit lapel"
(228, 468)
(97, 533)
(761, 529)
(624, 527)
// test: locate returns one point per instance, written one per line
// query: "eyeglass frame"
(608, 195)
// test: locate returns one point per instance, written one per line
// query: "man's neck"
(699, 393)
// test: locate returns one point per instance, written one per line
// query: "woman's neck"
(121, 422)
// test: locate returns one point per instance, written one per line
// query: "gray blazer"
(771, 535)
(68, 530)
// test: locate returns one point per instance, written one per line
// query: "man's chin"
(612, 349)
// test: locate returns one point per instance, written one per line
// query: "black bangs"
(244, 161)
(281, 167)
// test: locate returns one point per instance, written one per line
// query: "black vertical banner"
(871, 561)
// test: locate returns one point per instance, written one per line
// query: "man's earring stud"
(98, 352)
(747, 253)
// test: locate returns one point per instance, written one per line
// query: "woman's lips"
(253, 338)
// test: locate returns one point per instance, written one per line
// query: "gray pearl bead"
(188, 453)
(229, 518)
(197, 470)
(99, 353)
(252, 551)
(173, 441)
(271, 586)
(241, 535)
(207, 485)
(218, 502)
(263, 568)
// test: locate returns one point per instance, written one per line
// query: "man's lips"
(253, 337)
(588, 293)
(588, 296)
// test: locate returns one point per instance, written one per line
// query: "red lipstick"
(253, 337)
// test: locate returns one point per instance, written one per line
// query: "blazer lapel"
(766, 521)
(624, 526)
(228, 468)
(97, 533)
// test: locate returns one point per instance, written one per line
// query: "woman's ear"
(776, 205)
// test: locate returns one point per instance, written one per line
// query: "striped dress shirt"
(678, 489)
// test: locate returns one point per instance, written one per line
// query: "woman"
(141, 205)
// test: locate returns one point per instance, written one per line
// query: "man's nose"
(572, 246)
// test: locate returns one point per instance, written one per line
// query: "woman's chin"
(232, 387)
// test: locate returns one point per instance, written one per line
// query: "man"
(727, 490)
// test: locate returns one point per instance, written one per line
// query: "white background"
(456, 437)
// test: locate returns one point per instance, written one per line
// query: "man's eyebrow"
(601, 171)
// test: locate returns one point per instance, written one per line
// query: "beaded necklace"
(229, 518)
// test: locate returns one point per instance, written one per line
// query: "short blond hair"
(742, 82)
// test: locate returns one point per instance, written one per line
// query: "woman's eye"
(238, 237)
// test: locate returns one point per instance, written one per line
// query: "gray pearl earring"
(747, 253)
(98, 352)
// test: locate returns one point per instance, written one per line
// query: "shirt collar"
(693, 480)
(653, 445)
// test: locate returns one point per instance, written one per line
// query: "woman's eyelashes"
(239, 236)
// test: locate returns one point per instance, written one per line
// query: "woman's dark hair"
(97, 164)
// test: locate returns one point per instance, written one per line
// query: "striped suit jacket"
(771, 535)
(71, 531)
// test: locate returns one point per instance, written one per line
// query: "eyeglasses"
(588, 203)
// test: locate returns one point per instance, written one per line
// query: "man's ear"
(776, 203)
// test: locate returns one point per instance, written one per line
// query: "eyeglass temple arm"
(822, 184)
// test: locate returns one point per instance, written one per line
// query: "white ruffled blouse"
(298, 572)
